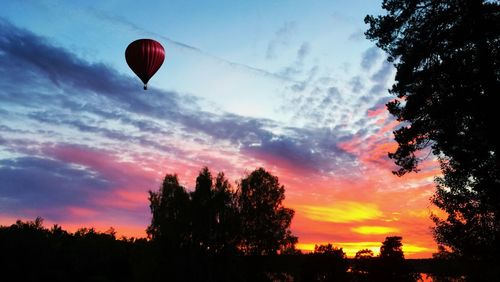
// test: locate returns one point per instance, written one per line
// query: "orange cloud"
(376, 230)
(342, 212)
(82, 212)
(381, 111)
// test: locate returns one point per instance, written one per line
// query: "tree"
(392, 248)
(203, 216)
(364, 254)
(391, 264)
(330, 250)
(447, 57)
(326, 263)
(214, 219)
(171, 220)
(265, 222)
(363, 264)
(57, 255)
(227, 224)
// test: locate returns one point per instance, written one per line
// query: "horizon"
(296, 89)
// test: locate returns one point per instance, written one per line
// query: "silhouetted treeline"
(31, 252)
(214, 233)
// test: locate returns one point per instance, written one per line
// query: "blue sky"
(289, 85)
(254, 45)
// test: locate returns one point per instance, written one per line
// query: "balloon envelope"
(145, 57)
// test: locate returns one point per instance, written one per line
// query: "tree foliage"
(214, 219)
(31, 252)
(392, 265)
(225, 216)
(447, 57)
(392, 248)
(330, 250)
(265, 222)
(170, 207)
(326, 263)
(364, 254)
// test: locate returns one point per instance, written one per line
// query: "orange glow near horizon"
(351, 248)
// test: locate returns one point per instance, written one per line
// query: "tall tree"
(170, 207)
(447, 57)
(265, 222)
(215, 225)
(203, 214)
(227, 225)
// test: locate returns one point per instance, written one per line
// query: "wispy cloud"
(370, 57)
(281, 38)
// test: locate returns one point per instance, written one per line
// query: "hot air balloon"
(145, 57)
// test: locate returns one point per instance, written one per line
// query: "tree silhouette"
(391, 264)
(363, 265)
(265, 222)
(31, 252)
(201, 233)
(215, 224)
(326, 263)
(447, 56)
(170, 207)
(364, 254)
(330, 250)
(227, 225)
(392, 248)
(203, 214)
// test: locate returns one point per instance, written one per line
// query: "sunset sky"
(292, 86)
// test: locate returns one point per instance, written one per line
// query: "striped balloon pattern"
(145, 57)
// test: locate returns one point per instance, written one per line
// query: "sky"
(291, 86)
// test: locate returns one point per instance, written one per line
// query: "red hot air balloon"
(145, 57)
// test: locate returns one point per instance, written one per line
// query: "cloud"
(303, 51)
(343, 212)
(64, 91)
(281, 38)
(311, 150)
(36, 183)
(357, 36)
(381, 78)
(356, 84)
(297, 67)
(370, 57)
(383, 74)
(376, 230)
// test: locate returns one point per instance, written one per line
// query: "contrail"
(121, 21)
